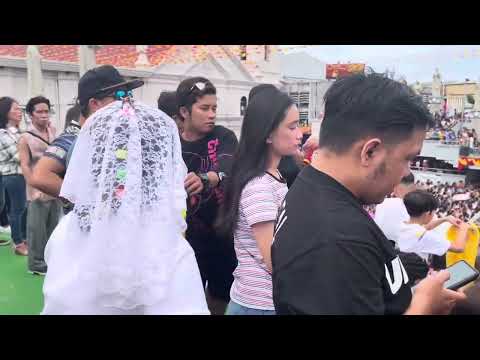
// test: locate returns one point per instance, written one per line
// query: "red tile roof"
(117, 55)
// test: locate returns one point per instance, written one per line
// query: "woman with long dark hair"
(12, 178)
(254, 193)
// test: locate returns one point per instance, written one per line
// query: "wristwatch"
(221, 176)
(205, 180)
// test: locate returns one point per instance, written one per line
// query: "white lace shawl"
(126, 179)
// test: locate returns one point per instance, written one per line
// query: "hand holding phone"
(461, 273)
(430, 296)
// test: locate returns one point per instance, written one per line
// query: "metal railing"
(437, 170)
(444, 142)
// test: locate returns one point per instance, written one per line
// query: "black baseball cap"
(102, 80)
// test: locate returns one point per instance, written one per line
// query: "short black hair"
(73, 114)
(359, 105)
(84, 108)
(408, 180)
(167, 102)
(30, 107)
(419, 202)
(188, 94)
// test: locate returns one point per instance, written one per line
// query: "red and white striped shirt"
(260, 200)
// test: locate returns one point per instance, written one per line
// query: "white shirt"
(414, 238)
(389, 215)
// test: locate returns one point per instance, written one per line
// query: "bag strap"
(38, 137)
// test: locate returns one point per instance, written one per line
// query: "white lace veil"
(126, 179)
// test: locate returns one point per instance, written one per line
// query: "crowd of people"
(265, 233)
(467, 137)
(442, 121)
(445, 135)
(443, 130)
(456, 199)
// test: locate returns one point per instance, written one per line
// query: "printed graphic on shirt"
(399, 275)
(200, 161)
(204, 164)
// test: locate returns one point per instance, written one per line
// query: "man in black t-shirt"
(328, 255)
(207, 150)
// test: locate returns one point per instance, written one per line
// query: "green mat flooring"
(20, 292)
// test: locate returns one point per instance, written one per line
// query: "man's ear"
(370, 150)
(93, 105)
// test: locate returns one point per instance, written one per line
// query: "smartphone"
(461, 273)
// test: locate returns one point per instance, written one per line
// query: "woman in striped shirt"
(254, 194)
(13, 182)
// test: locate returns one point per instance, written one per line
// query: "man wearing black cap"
(97, 88)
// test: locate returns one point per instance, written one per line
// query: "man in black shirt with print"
(207, 150)
(329, 256)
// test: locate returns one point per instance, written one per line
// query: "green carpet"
(20, 292)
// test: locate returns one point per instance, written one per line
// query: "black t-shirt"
(289, 169)
(212, 153)
(330, 257)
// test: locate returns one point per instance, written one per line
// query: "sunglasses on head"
(118, 95)
(198, 86)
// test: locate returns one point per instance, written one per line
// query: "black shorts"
(216, 260)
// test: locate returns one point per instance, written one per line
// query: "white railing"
(437, 170)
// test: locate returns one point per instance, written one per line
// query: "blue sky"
(415, 62)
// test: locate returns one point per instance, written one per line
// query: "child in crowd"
(416, 235)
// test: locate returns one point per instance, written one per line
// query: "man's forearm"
(49, 184)
(46, 176)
